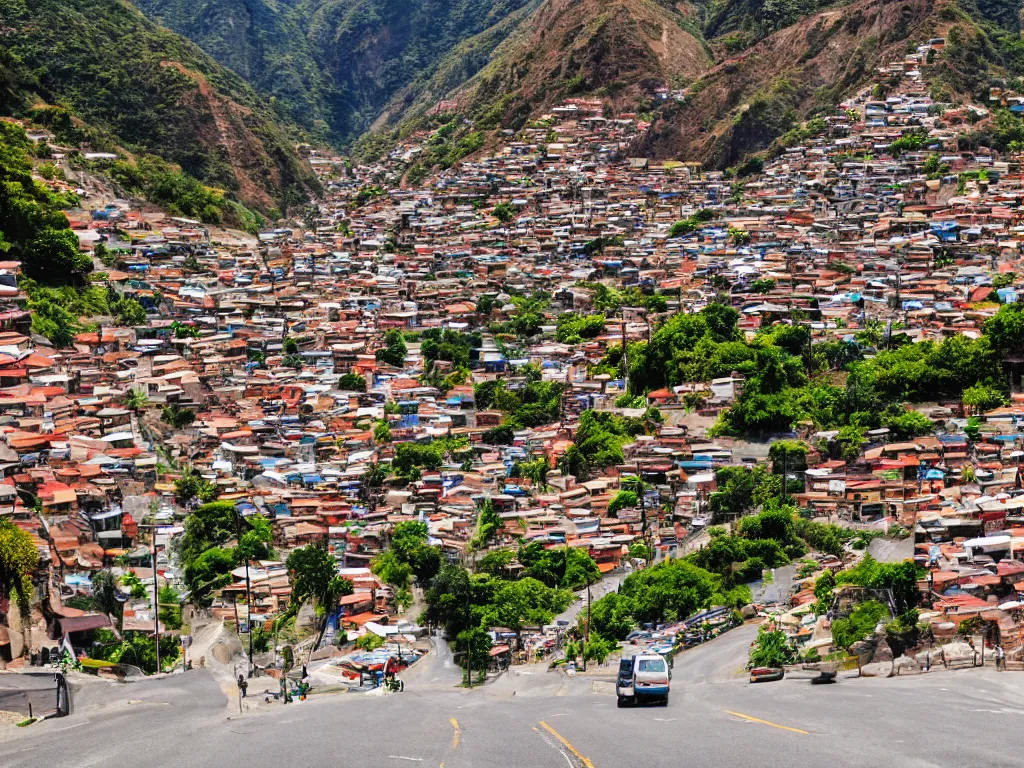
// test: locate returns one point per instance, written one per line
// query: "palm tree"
(106, 596)
(136, 400)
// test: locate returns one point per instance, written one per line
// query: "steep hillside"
(616, 50)
(148, 90)
(747, 101)
(333, 65)
(266, 43)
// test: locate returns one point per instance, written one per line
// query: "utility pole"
(156, 605)
(156, 594)
(586, 630)
(248, 594)
(469, 644)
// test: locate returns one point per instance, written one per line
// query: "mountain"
(266, 43)
(333, 65)
(750, 99)
(617, 50)
(750, 71)
(126, 82)
(757, 98)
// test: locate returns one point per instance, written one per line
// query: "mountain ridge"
(145, 89)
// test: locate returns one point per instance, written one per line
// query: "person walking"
(1000, 658)
(242, 685)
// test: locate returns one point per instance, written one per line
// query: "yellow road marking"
(458, 732)
(566, 744)
(766, 722)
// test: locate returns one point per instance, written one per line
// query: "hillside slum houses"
(289, 353)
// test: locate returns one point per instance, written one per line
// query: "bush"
(369, 642)
(771, 649)
(859, 624)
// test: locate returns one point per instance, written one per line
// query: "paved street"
(547, 720)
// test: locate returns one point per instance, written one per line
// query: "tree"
(675, 588)
(559, 567)
(740, 236)
(910, 424)
(449, 600)
(524, 603)
(382, 432)
(53, 256)
(771, 649)
(612, 616)
(257, 533)
(496, 562)
(209, 526)
(135, 400)
(105, 593)
(176, 416)
(474, 646)
(315, 579)
(352, 382)
(504, 212)
(981, 398)
(128, 311)
(734, 494)
(208, 572)
(900, 578)
(394, 350)
(290, 346)
(859, 624)
(573, 462)
(409, 456)
(18, 560)
(392, 569)
(622, 500)
(409, 544)
(597, 649)
(170, 607)
(192, 485)
(488, 523)
(1005, 330)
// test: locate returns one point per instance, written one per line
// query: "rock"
(877, 669)
(958, 652)
(882, 651)
(222, 652)
(905, 665)
(748, 612)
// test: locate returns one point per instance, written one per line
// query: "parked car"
(650, 677)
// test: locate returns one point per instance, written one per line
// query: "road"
(546, 720)
(609, 583)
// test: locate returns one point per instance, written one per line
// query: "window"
(652, 665)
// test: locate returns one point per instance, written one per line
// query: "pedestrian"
(242, 685)
(1000, 659)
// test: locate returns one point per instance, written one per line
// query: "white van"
(647, 678)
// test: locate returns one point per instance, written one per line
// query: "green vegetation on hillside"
(145, 88)
(333, 66)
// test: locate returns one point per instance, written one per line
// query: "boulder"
(877, 669)
(905, 665)
(882, 651)
(748, 612)
(958, 652)
(222, 652)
